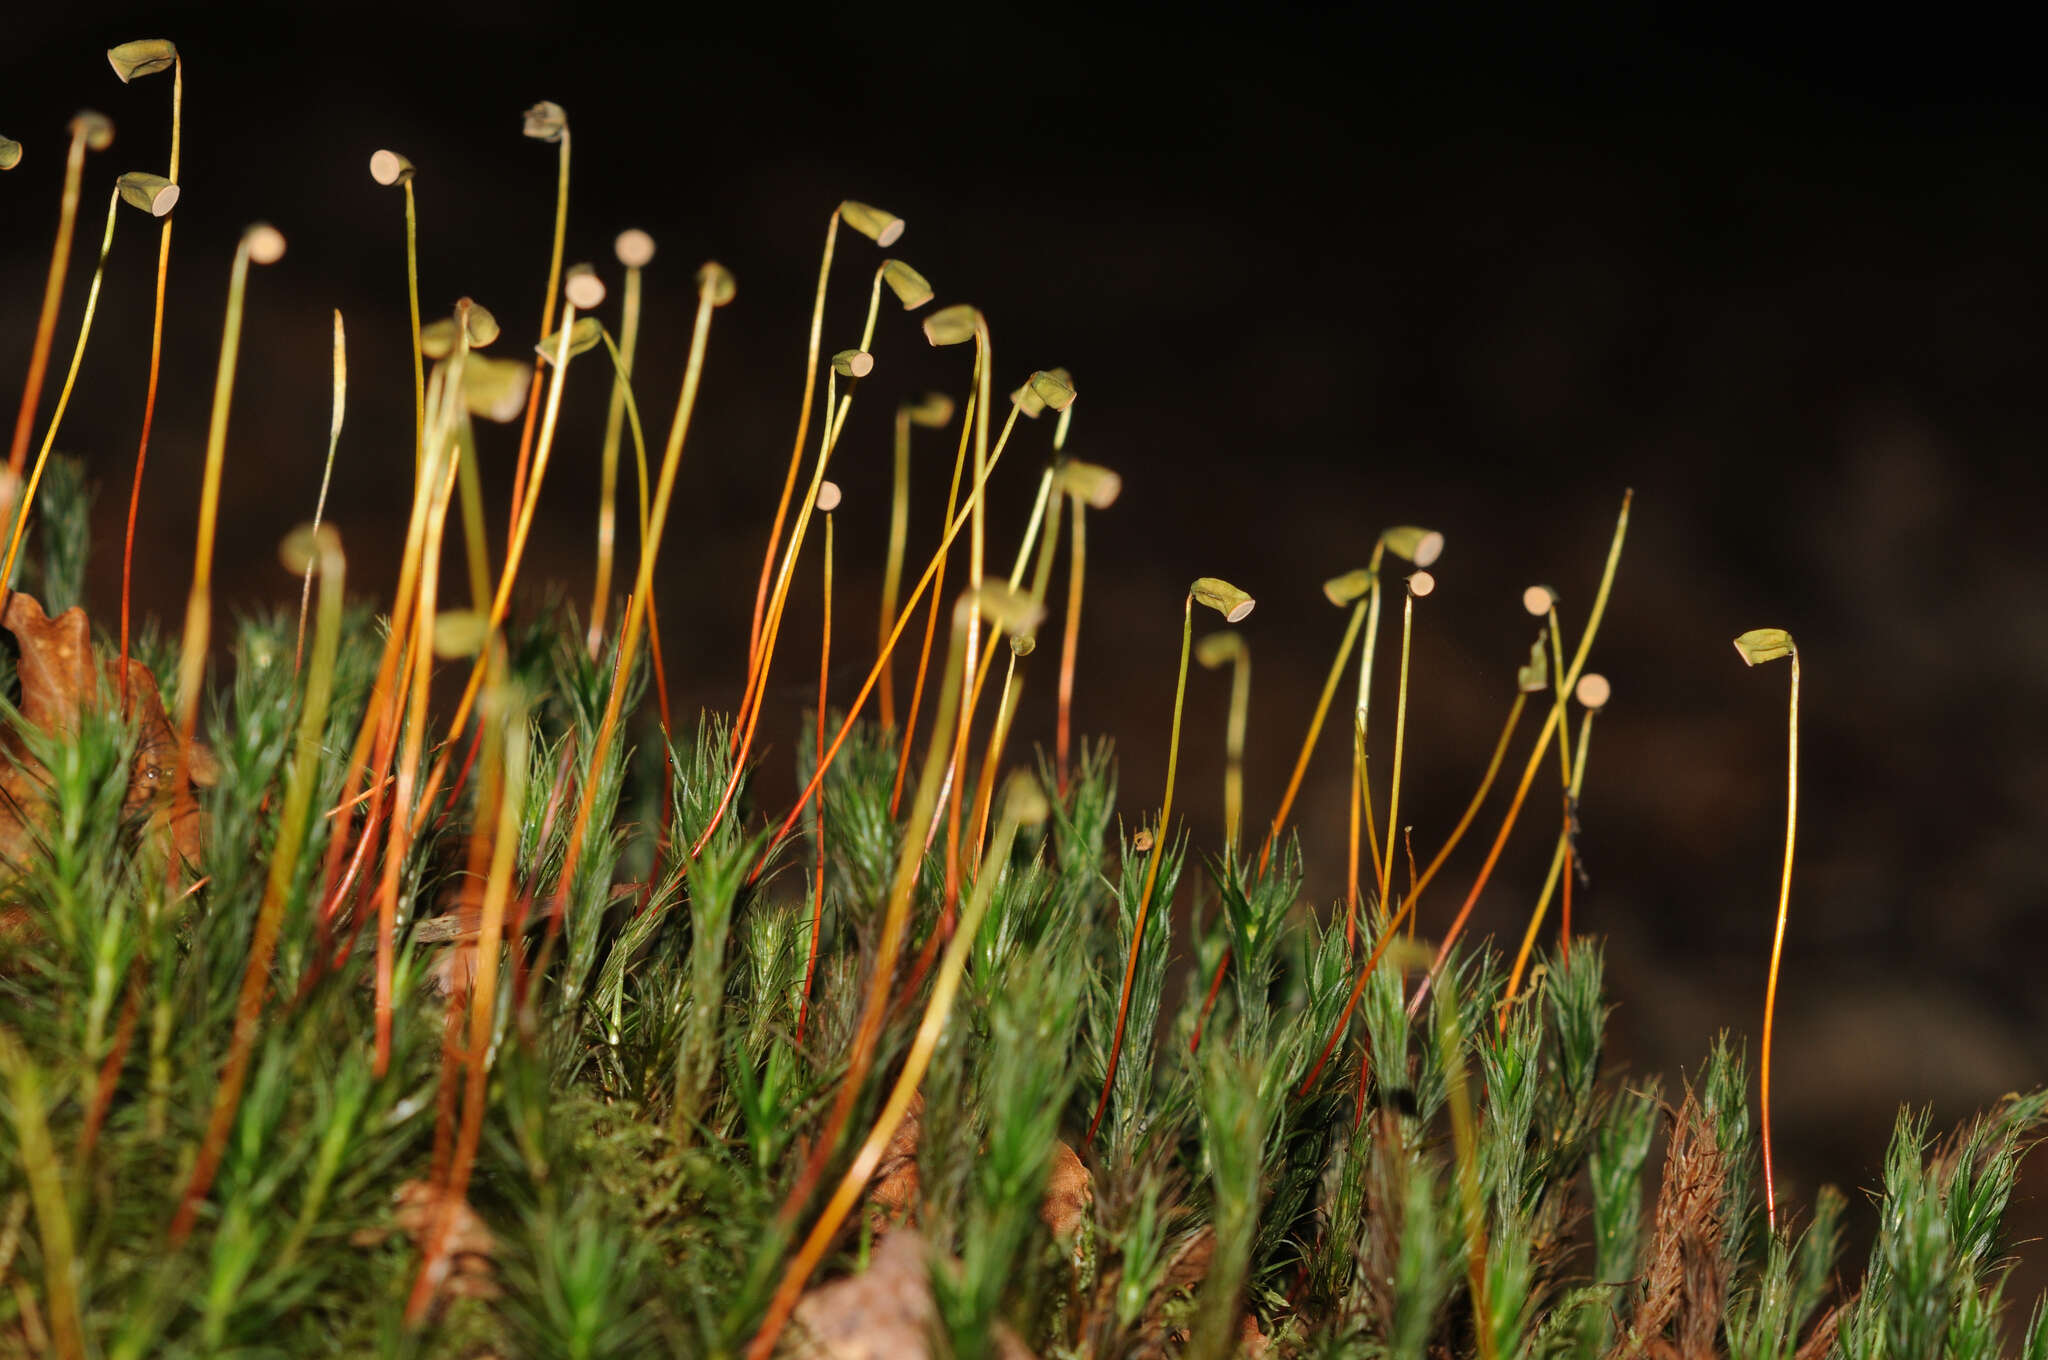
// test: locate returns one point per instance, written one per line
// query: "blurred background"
(1314, 275)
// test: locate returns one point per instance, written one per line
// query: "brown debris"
(1190, 1263)
(1686, 1275)
(885, 1313)
(1069, 1193)
(1820, 1342)
(58, 678)
(470, 1245)
(894, 1190)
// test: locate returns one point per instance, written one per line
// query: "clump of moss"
(521, 1028)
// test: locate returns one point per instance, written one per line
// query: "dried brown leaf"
(59, 675)
(1069, 1193)
(1686, 1277)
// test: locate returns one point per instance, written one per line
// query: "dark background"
(1313, 275)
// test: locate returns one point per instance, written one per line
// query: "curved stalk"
(607, 506)
(1123, 1004)
(156, 352)
(53, 293)
(547, 328)
(26, 495)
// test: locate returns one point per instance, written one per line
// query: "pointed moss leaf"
(546, 122)
(1534, 678)
(907, 284)
(1226, 599)
(1764, 644)
(583, 337)
(387, 167)
(143, 57)
(10, 153)
(495, 389)
(304, 547)
(95, 127)
(1024, 799)
(1095, 485)
(153, 194)
(1220, 648)
(932, 411)
(715, 281)
(1349, 588)
(1413, 544)
(883, 228)
(953, 325)
(853, 363)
